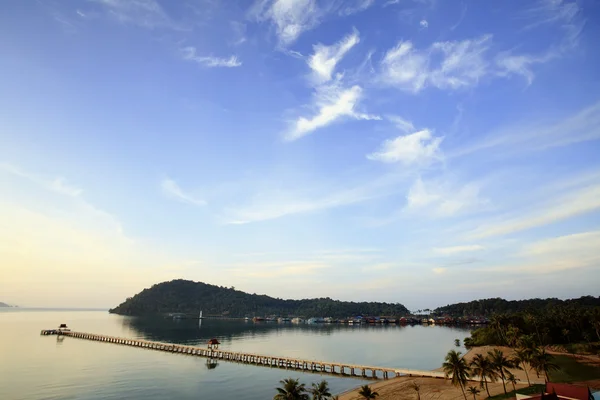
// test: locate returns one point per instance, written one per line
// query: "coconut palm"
(501, 364)
(320, 391)
(457, 369)
(542, 362)
(483, 367)
(512, 380)
(521, 361)
(474, 391)
(366, 393)
(417, 388)
(291, 389)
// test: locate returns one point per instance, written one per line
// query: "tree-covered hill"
(489, 307)
(182, 296)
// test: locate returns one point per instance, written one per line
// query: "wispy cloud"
(273, 204)
(510, 64)
(424, 24)
(576, 202)
(290, 17)
(58, 184)
(581, 127)
(462, 64)
(418, 148)
(333, 102)
(440, 199)
(562, 13)
(355, 6)
(143, 13)
(325, 58)
(189, 54)
(171, 189)
(404, 125)
(452, 250)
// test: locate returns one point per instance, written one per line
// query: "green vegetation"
(366, 392)
(511, 395)
(456, 367)
(560, 324)
(570, 370)
(291, 389)
(489, 307)
(182, 296)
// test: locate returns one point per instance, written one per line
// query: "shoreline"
(402, 387)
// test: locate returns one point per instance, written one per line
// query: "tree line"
(292, 389)
(562, 324)
(488, 307)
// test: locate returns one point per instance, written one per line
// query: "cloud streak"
(172, 190)
(189, 54)
(325, 58)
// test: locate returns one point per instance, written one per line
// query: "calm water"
(43, 367)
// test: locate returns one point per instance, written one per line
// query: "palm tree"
(542, 362)
(521, 360)
(512, 379)
(291, 389)
(501, 364)
(483, 367)
(320, 391)
(417, 388)
(456, 367)
(366, 393)
(474, 391)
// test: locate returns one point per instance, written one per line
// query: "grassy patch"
(573, 371)
(534, 389)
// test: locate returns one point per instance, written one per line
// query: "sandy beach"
(434, 388)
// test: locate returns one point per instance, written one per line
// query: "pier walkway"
(344, 369)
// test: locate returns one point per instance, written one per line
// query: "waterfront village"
(371, 320)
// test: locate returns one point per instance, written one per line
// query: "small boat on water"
(200, 316)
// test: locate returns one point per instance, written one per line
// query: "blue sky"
(413, 151)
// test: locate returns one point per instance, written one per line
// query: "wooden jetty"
(343, 369)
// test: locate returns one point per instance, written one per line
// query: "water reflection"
(211, 363)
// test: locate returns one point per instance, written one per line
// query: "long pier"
(343, 369)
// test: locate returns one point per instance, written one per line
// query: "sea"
(51, 367)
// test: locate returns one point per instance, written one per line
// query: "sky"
(415, 151)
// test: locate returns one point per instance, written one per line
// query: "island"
(189, 297)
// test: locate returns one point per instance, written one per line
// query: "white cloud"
(325, 58)
(441, 200)
(172, 190)
(457, 249)
(424, 24)
(290, 17)
(189, 54)
(416, 148)
(462, 64)
(333, 103)
(578, 202)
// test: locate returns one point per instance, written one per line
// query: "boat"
(200, 316)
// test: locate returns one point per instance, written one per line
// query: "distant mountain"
(182, 296)
(4, 304)
(488, 307)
